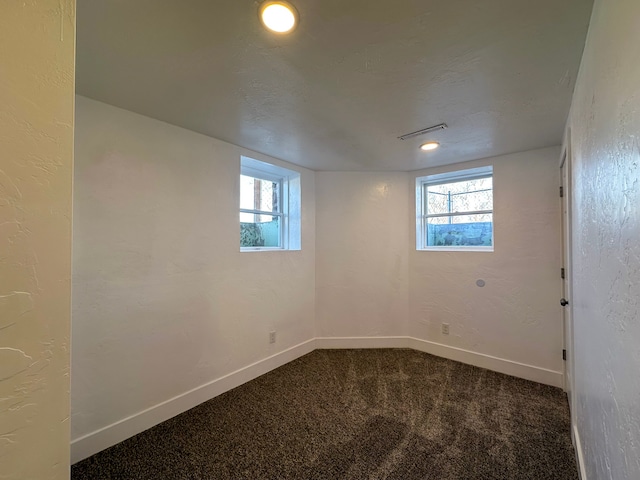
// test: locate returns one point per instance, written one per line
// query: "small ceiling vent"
(435, 128)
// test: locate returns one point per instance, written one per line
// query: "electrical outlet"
(445, 329)
(272, 337)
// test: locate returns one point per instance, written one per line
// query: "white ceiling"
(353, 76)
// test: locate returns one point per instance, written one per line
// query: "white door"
(566, 299)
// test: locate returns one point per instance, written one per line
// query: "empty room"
(320, 239)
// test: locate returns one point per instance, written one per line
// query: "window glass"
(258, 199)
(269, 206)
(259, 194)
(262, 233)
(457, 210)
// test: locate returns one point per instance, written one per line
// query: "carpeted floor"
(358, 414)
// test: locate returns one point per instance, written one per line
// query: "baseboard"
(501, 365)
(509, 367)
(332, 343)
(110, 435)
(577, 444)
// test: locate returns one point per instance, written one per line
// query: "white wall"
(163, 300)
(361, 255)
(371, 281)
(516, 316)
(36, 134)
(165, 305)
(604, 131)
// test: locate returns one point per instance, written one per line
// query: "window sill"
(456, 249)
(268, 249)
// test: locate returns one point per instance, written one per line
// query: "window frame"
(422, 216)
(289, 186)
(281, 211)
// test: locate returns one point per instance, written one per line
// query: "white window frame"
(422, 183)
(289, 207)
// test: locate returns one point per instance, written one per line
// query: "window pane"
(259, 230)
(437, 202)
(464, 196)
(247, 192)
(460, 231)
(269, 196)
(259, 194)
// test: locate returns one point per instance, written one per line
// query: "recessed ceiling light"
(429, 146)
(279, 17)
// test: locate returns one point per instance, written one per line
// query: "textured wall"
(371, 281)
(516, 315)
(164, 301)
(361, 267)
(36, 134)
(605, 126)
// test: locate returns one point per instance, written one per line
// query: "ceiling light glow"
(279, 17)
(429, 146)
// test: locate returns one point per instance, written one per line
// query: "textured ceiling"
(353, 76)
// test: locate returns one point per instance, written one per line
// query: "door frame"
(567, 282)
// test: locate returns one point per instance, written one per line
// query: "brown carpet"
(358, 414)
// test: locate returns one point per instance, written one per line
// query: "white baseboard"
(509, 367)
(577, 444)
(332, 343)
(110, 435)
(501, 365)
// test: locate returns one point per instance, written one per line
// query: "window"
(455, 210)
(269, 207)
